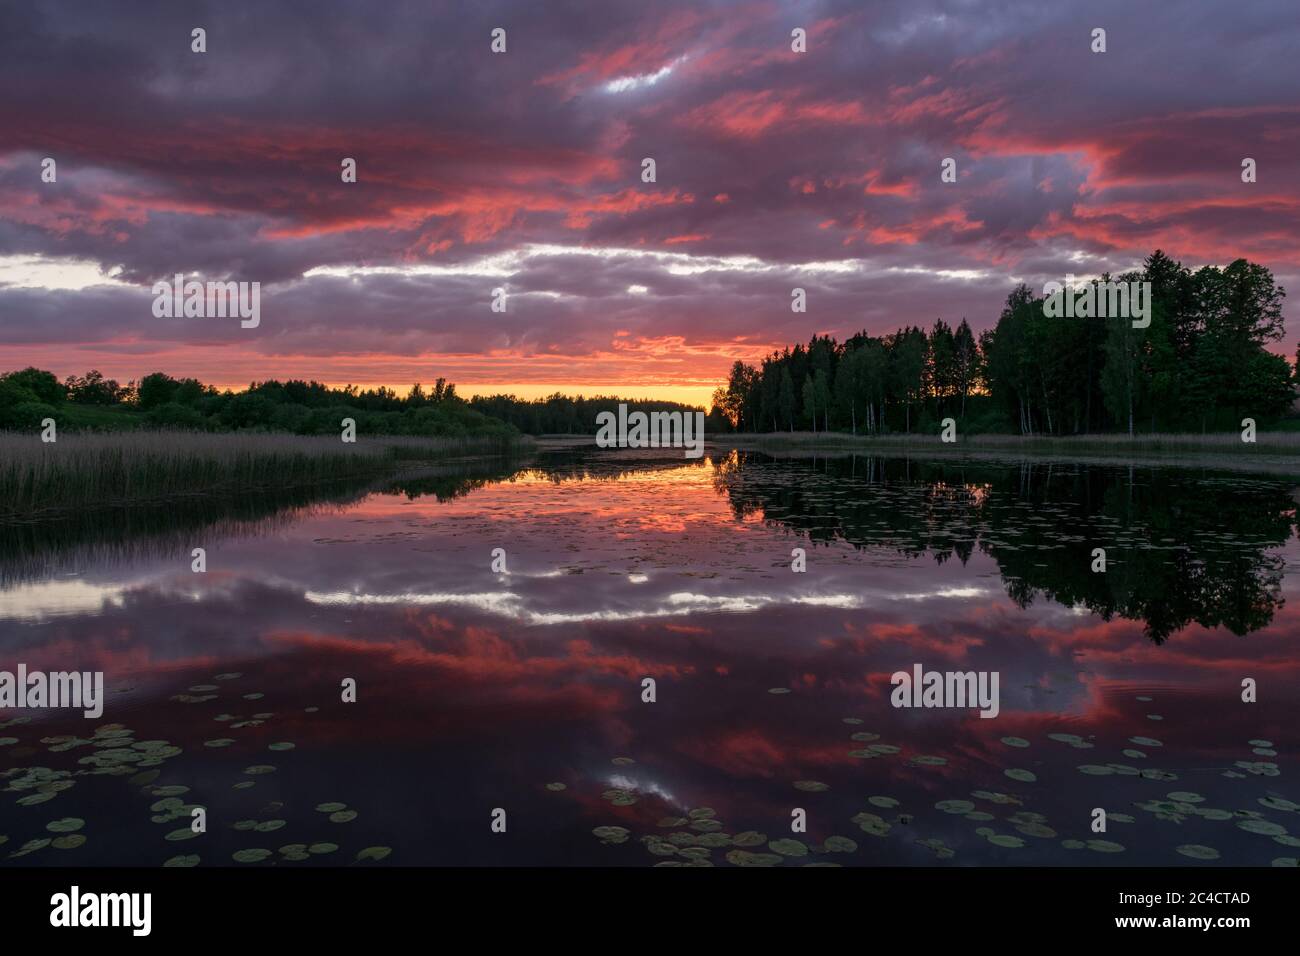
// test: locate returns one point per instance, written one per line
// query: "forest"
(1202, 364)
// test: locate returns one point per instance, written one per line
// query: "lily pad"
(1105, 846)
(788, 847)
(746, 858)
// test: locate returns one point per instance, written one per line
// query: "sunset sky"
(522, 170)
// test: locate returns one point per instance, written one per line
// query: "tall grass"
(85, 470)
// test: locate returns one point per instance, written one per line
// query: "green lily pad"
(66, 825)
(955, 806)
(1105, 846)
(788, 847)
(250, 856)
(1024, 776)
(1015, 741)
(343, 816)
(1198, 852)
(182, 861)
(69, 842)
(1006, 840)
(375, 853)
(746, 858)
(612, 834)
(1262, 827)
(331, 807)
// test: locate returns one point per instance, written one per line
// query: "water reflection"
(523, 689)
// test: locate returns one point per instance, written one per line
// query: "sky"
(522, 171)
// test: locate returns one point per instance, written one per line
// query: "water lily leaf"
(746, 858)
(1263, 827)
(1006, 840)
(788, 847)
(1105, 846)
(612, 834)
(375, 853)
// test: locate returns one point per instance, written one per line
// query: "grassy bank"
(1277, 452)
(1230, 443)
(104, 470)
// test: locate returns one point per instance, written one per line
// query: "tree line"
(305, 408)
(1202, 363)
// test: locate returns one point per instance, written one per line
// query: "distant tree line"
(1201, 364)
(304, 408)
(573, 415)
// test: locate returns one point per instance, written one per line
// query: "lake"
(523, 690)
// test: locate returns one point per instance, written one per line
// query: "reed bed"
(86, 470)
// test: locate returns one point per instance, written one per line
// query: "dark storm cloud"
(226, 164)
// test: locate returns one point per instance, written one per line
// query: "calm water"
(522, 691)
